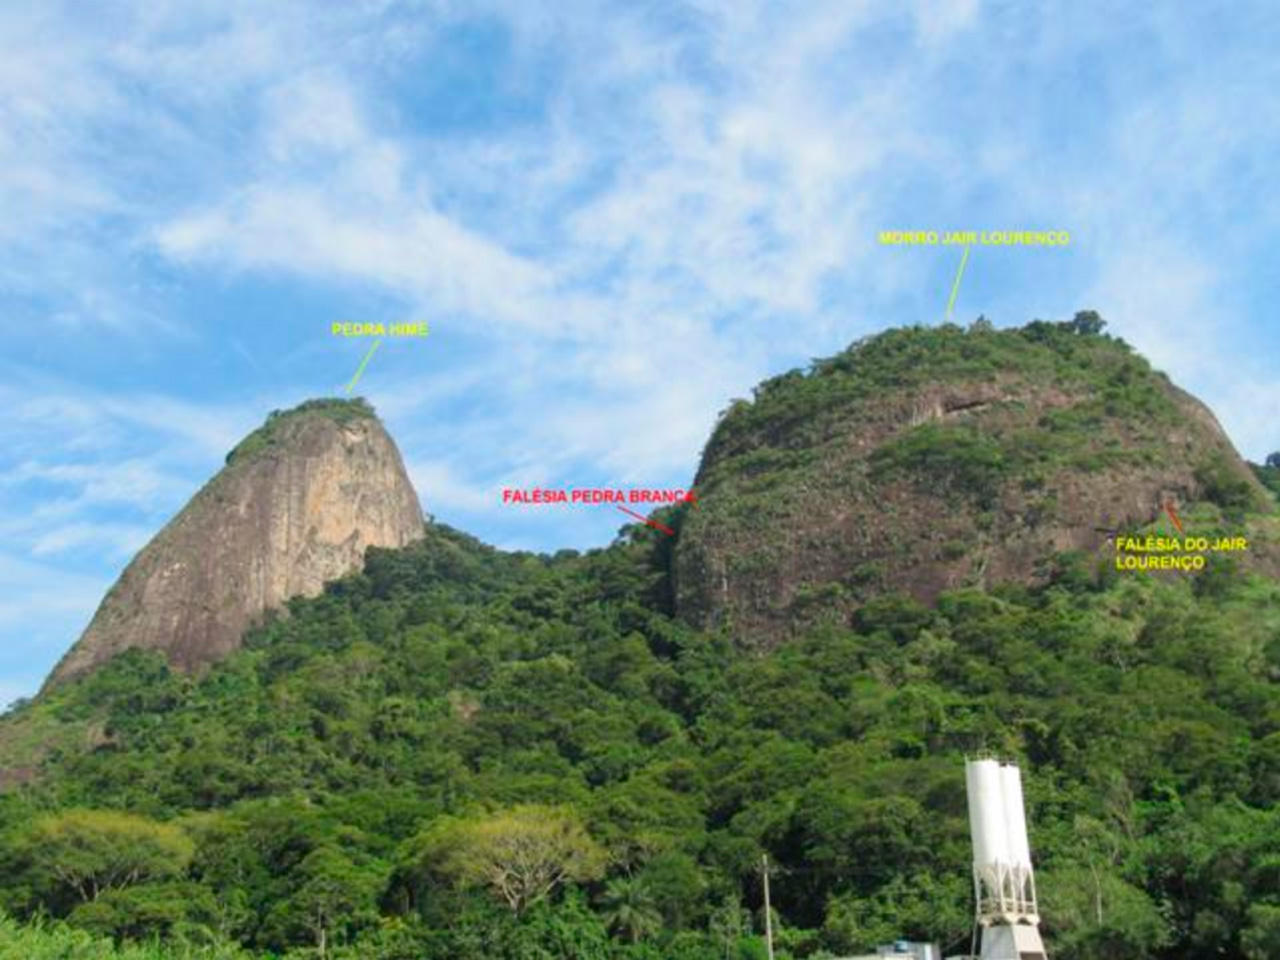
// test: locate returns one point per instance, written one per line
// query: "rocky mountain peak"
(928, 459)
(297, 504)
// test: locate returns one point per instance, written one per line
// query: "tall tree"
(88, 852)
(522, 854)
(630, 909)
(338, 895)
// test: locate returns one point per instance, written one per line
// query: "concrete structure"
(1003, 880)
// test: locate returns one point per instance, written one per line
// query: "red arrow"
(1168, 508)
(653, 523)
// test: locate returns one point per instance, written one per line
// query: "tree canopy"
(468, 754)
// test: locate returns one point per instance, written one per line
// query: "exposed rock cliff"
(297, 504)
(927, 459)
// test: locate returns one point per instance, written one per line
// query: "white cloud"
(441, 488)
(132, 481)
(1249, 409)
(312, 113)
(88, 477)
(115, 540)
(31, 590)
(85, 418)
(415, 253)
(42, 609)
(737, 190)
(1162, 299)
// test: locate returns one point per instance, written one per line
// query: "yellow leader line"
(955, 287)
(364, 363)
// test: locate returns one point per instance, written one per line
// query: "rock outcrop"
(928, 459)
(297, 504)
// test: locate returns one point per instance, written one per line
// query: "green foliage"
(77, 856)
(51, 941)
(1087, 323)
(1269, 473)
(1095, 915)
(522, 855)
(968, 440)
(331, 408)
(1220, 484)
(173, 910)
(919, 907)
(630, 908)
(800, 408)
(457, 722)
(336, 895)
(1261, 938)
(950, 460)
(464, 754)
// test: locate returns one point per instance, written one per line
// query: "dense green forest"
(463, 753)
(466, 754)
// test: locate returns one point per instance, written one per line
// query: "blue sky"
(615, 216)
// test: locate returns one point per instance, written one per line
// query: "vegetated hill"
(296, 505)
(351, 780)
(356, 771)
(927, 459)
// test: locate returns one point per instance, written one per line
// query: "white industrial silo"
(989, 829)
(1003, 878)
(1022, 878)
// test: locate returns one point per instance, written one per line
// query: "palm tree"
(629, 908)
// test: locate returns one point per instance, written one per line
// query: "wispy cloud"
(42, 607)
(47, 602)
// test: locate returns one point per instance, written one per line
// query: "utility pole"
(768, 910)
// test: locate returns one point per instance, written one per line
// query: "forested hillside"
(925, 459)
(358, 780)
(466, 754)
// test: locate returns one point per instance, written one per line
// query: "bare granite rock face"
(297, 505)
